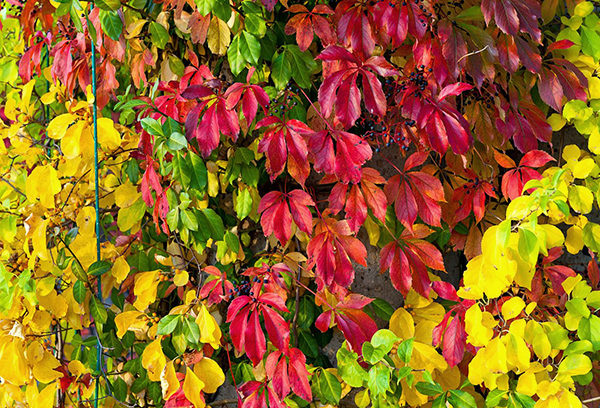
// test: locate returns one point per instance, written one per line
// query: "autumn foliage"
(254, 157)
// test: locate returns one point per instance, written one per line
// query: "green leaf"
(191, 331)
(243, 204)
(214, 223)
(99, 268)
(461, 399)
(405, 350)
(159, 34)
(179, 340)
(222, 9)
(384, 340)
(78, 271)
(233, 242)
(98, 310)
(189, 220)
(152, 126)
(71, 235)
(198, 173)
(307, 313)
(205, 6)
(281, 70)
(427, 388)
(154, 392)
(302, 64)
(379, 379)
(243, 155)
(79, 291)
(111, 24)
(494, 397)
(307, 344)
(255, 24)
(382, 309)
(523, 401)
(349, 369)
(372, 354)
(329, 388)
(177, 141)
(181, 170)
(120, 389)
(578, 307)
(589, 329)
(439, 402)
(245, 49)
(167, 324)
(139, 385)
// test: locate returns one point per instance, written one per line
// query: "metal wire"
(96, 204)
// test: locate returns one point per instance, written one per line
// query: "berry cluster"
(285, 102)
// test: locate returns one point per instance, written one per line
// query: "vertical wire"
(96, 204)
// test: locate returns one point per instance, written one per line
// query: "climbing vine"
(254, 158)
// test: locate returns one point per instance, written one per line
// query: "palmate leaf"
(332, 250)
(408, 259)
(279, 209)
(284, 144)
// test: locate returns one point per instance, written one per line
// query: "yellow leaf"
(134, 29)
(362, 399)
(154, 360)
(479, 333)
(527, 383)
(168, 381)
(373, 230)
(219, 36)
(71, 141)
(43, 183)
(108, 137)
(41, 399)
(557, 122)
(209, 372)
(44, 372)
(181, 278)
(14, 368)
(120, 269)
(575, 364)
(209, 329)
(77, 368)
(130, 216)
(512, 308)
(38, 240)
(127, 320)
(126, 194)
(581, 199)
(536, 336)
(571, 152)
(146, 286)
(583, 168)
(517, 352)
(192, 388)
(58, 126)
(583, 9)
(402, 324)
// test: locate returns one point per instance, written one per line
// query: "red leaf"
(536, 158)
(277, 217)
(550, 89)
(593, 272)
(356, 326)
(560, 45)
(332, 249)
(299, 375)
(455, 338)
(283, 143)
(445, 290)
(453, 90)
